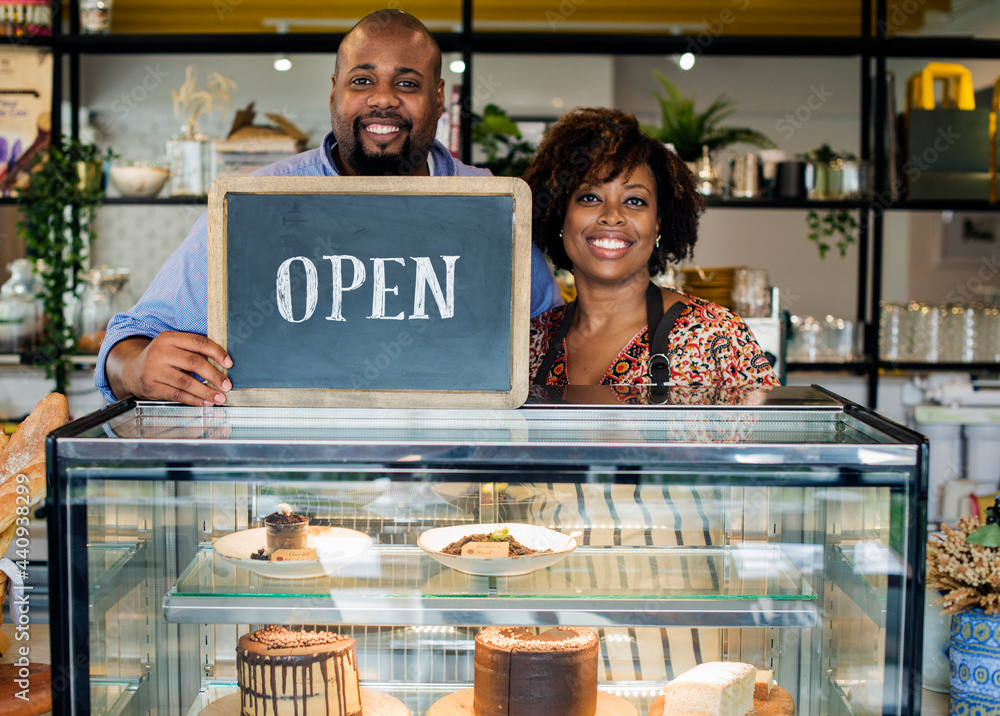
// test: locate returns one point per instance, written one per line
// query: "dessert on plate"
(521, 672)
(723, 688)
(297, 673)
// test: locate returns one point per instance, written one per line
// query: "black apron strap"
(542, 376)
(654, 307)
(659, 342)
(659, 365)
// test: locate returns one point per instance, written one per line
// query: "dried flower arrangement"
(964, 564)
(190, 103)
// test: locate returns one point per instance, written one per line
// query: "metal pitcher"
(745, 176)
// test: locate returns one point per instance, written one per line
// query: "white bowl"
(139, 181)
(557, 545)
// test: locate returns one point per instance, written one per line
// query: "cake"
(700, 692)
(762, 685)
(519, 672)
(297, 673)
(719, 688)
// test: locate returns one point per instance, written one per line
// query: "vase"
(974, 654)
(189, 166)
(936, 672)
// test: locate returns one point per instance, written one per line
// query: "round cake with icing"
(297, 673)
(522, 672)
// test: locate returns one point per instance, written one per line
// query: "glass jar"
(286, 530)
(20, 309)
(104, 294)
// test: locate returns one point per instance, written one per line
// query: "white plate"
(335, 547)
(433, 541)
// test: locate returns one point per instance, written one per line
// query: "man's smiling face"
(386, 100)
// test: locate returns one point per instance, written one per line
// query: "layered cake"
(723, 688)
(719, 688)
(297, 673)
(519, 672)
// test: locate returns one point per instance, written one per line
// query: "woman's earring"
(657, 241)
(560, 233)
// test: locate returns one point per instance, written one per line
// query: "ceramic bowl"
(139, 181)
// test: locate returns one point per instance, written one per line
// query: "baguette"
(28, 441)
(22, 458)
(32, 476)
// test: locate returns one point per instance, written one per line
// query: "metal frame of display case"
(622, 444)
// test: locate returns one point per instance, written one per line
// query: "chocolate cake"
(297, 673)
(519, 672)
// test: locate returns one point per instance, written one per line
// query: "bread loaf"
(28, 441)
(22, 457)
(720, 688)
(33, 478)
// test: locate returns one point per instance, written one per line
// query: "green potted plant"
(689, 130)
(58, 209)
(497, 135)
(835, 175)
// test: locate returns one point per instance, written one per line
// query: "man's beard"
(402, 163)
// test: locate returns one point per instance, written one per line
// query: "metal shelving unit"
(871, 47)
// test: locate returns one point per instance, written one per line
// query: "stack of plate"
(711, 284)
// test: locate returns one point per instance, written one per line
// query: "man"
(386, 99)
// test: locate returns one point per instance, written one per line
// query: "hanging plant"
(838, 225)
(59, 206)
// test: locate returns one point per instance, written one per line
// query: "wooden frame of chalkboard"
(401, 292)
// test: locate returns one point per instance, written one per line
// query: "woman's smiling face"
(610, 229)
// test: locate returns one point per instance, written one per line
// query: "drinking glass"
(987, 334)
(891, 330)
(925, 321)
(751, 293)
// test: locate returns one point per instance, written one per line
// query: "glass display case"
(782, 529)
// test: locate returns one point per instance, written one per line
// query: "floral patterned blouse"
(709, 345)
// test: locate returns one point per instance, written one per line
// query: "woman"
(614, 206)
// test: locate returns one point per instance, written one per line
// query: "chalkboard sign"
(371, 291)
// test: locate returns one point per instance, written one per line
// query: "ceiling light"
(457, 66)
(282, 63)
(686, 61)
